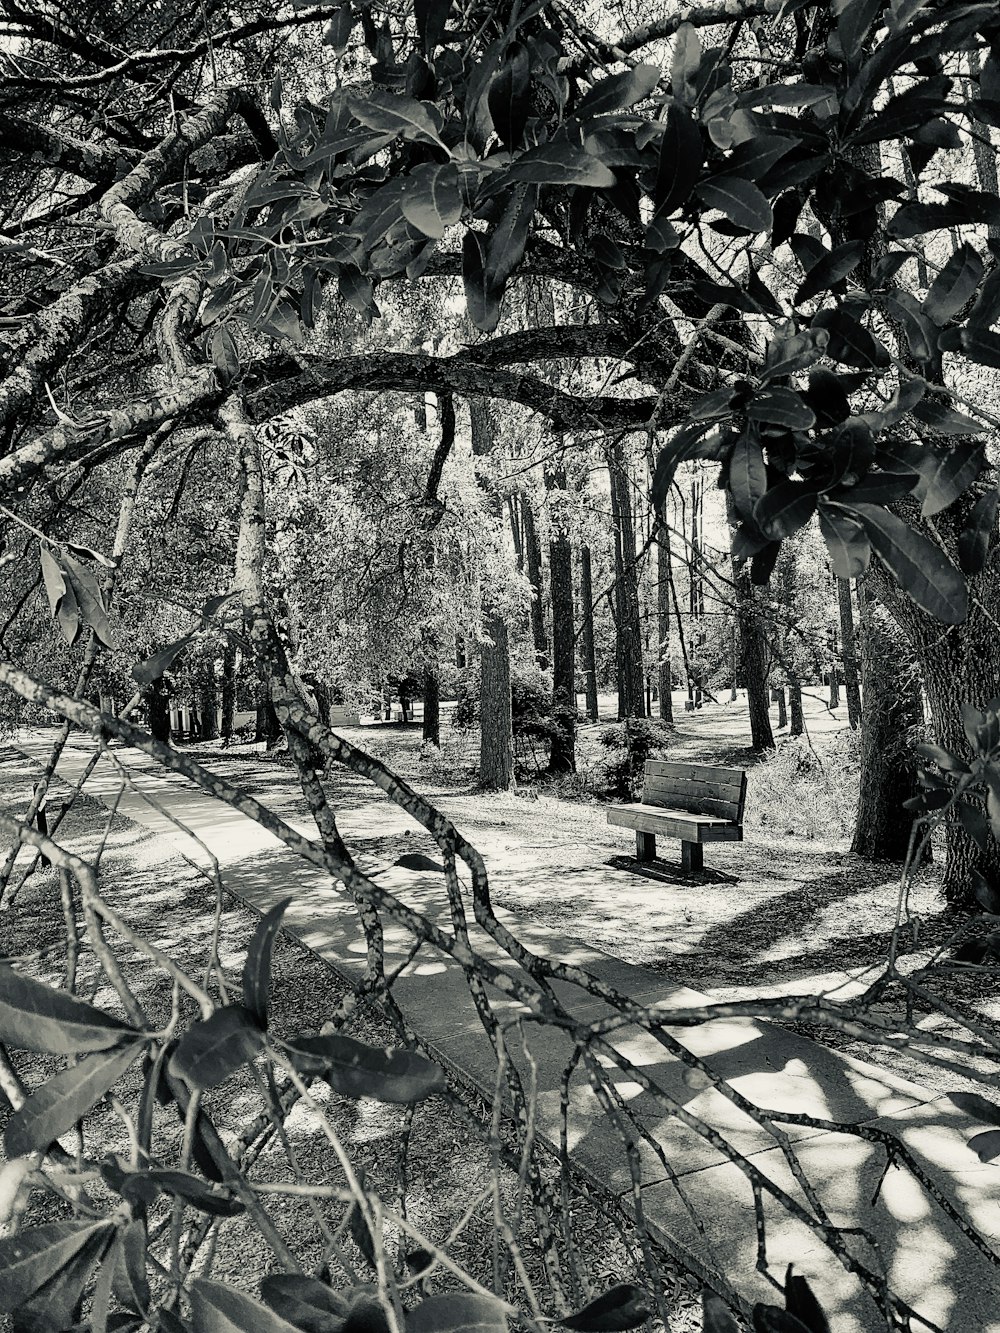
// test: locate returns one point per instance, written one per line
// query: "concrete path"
(928, 1261)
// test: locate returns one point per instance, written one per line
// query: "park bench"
(693, 802)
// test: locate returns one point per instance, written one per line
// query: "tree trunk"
(158, 703)
(533, 565)
(208, 702)
(496, 733)
(228, 689)
(562, 752)
(496, 751)
(268, 728)
(631, 702)
(432, 706)
(587, 633)
(753, 660)
(779, 699)
(892, 710)
(852, 685)
(798, 723)
(665, 673)
(959, 664)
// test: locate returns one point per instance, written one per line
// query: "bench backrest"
(697, 788)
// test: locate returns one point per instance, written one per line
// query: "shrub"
(629, 744)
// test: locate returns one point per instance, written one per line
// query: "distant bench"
(693, 802)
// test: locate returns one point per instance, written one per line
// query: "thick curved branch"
(62, 152)
(464, 374)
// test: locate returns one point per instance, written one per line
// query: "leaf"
(981, 346)
(846, 540)
(392, 113)
(918, 565)
(509, 97)
(785, 508)
(214, 1048)
(948, 473)
(53, 1305)
(153, 668)
(986, 1146)
(747, 474)
(850, 342)
(361, 1234)
(854, 22)
(685, 64)
(560, 162)
(456, 1312)
(716, 1314)
(763, 563)
(432, 18)
(482, 299)
(688, 442)
(88, 553)
(357, 289)
(916, 219)
(740, 200)
(33, 1256)
(130, 1285)
(834, 266)
(52, 576)
(66, 1098)
(828, 397)
(623, 1306)
(974, 542)
(431, 200)
(505, 247)
(975, 1106)
(337, 32)
(218, 1308)
(801, 1302)
(89, 598)
(355, 1069)
(305, 1301)
(36, 1017)
(679, 163)
(618, 92)
(257, 968)
(954, 286)
(781, 407)
(225, 357)
(191, 1189)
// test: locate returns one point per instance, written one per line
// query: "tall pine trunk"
(665, 680)
(562, 752)
(228, 690)
(496, 742)
(852, 679)
(431, 731)
(631, 694)
(798, 724)
(587, 633)
(533, 566)
(208, 702)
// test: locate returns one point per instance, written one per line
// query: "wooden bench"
(693, 802)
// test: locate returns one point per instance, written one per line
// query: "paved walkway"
(927, 1260)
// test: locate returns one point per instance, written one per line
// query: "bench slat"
(675, 824)
(719, 791)
(677, 796)
(669, 768)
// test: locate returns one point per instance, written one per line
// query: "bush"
(629, 744)
(803, 794)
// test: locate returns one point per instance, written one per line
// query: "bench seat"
(675, 823)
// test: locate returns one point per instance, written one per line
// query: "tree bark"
(959, 664)
(631, 701)
(852, 683)
(753, 660)
(432, 706)
(228, 689)
(798, 724)
(893, 708)
(208, 702)
(268, 728)
(779, 699)
(158, 703)
(496, 751)
(562, 752)
(665, 681)
(533, 564)
(496, 732)
(587, 633)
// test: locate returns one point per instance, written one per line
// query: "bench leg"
(645, 846)
(691, 856)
